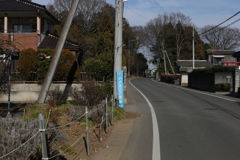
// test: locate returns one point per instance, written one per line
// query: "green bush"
(223, 87)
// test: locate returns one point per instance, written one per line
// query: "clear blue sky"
(202, 12)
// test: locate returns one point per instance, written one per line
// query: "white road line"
(196, 91)
(156, 155)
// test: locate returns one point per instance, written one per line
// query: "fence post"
(106, 115)
(87, 128)
(43, 137)
(112, 109)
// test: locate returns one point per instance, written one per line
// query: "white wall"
(29, 92)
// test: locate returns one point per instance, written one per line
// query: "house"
(183, 67)
(186, 66)
(220, 57)
(25, 24)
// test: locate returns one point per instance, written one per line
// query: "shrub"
(13, 134)
(169, 78)
(3, 79)
(27, 63)
(91, 93)
(214, 69)
(75, 112)
(57, 96)
(222, 87)
(43, 62)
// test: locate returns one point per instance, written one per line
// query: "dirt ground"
(98, 136)
(97, 143)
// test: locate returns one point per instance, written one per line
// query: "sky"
(201, 12)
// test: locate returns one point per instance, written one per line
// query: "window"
(218, 60)
(22, 28)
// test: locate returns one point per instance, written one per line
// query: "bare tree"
(180, 22)
(221, 37)
(168, 26)
(84, 17)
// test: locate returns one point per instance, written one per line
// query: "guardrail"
(231, 64)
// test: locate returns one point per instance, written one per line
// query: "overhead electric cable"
(138, 14)
(159, 5)
(219, 24)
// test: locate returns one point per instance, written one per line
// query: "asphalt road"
(193, 125)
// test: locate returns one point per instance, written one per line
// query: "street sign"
(120, 87)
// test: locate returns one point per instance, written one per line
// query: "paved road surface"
(192, 125)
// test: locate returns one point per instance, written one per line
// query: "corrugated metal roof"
(220, 52)
(189, 63)
(19, 5)
(50, 41)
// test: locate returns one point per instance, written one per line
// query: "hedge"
(222, 87)
(169, 78)
(214, 69)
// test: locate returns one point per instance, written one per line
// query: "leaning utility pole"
(118, 42)
(56, 56)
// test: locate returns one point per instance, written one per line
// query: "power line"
(159, 5)
(138, 14)
(220, 24)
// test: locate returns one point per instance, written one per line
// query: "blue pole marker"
(120, 87)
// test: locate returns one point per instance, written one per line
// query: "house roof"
(50, 41)
(236, 54)
(189, 63)
(220, 52)
(24, 6)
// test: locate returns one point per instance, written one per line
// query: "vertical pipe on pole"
(128, 57)
(87, 134)
(43, 136)
(112, 109)
(106, 115)
(56, 56)
(193, 65)
(118, 42)
(165, 68)
(9, 82)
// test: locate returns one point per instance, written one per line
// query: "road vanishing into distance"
(179, 123)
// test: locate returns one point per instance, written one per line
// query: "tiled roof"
(24, 6)
(50, 41)
(189, 63)
(19, 5)
(222, 52)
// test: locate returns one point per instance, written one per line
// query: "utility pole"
(193, 65)
(118, 43)
(164, 58)
(128, 58)
(56, 56)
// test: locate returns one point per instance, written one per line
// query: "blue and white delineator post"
(120, 87)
